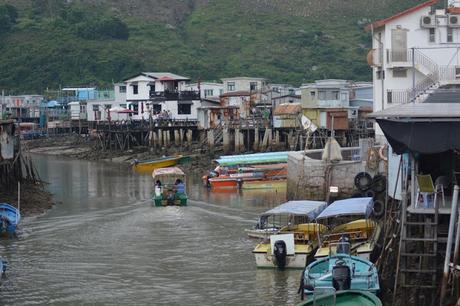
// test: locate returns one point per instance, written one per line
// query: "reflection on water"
(106, 244)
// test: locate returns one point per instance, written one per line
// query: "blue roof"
(311, 209)
(52, 103)
(353, 206)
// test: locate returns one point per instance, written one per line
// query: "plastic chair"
(427, 189)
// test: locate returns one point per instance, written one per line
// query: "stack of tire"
(373, 187)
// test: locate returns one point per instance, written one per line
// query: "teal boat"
(170, 187)
(340, 271)
(253, 159)
(343, 298)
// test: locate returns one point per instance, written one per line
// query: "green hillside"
(49, 43)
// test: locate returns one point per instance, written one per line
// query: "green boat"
(342, 298)
(169, 187)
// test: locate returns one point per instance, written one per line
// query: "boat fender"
(280, 253)
(363, 180)
(369, 193)
(379, 183)
(381, 155)
(379, 208)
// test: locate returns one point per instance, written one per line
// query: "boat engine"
(341, 276)
(280, 253)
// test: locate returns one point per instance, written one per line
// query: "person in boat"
(179, 186)
(158, 187)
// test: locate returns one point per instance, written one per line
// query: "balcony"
(174, 95)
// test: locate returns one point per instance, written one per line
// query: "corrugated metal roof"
(420, 110)
(288, 109)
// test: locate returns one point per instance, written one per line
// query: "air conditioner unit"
(428, 21)
(453, 21)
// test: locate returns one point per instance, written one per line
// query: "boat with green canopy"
(342, 298)
(169, 187)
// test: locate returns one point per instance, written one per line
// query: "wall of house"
(243, 84)
(144, 89)
(104, 106)
(217, 89)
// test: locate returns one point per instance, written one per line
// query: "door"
(399, 45)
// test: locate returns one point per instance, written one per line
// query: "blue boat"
(9, 218)
(341, 271)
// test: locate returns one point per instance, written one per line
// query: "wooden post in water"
(226, 140)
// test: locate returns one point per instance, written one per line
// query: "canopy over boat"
(353, 206)
(168, 175)
(247, 159)
(311, 209)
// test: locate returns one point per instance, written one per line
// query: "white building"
(22, 106)
(414, 52)
(207, 89)
(155, 92)
(246, 84)
(100, 110)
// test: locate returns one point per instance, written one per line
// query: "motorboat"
(350, 217)
(342, 298)
(341, 271)
(170, 188)
(9, 218)
(147, 166)
(294, 244)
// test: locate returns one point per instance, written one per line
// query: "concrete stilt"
(176, 138)
(291, 140)
(263, 144)
(211, 140)
(226, 140)
(189, 137)
(181, 136)
(160, 138)
(237, 140)
(241, 143)
(270, 138)
(256, 139)
(277, 139)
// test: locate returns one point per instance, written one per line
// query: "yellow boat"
(292, 247)
(362, 233)
(145, 166)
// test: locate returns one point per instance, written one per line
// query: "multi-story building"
(244, 84)
(161, 92)
(24, 107)
(207, 89)
(414, 52)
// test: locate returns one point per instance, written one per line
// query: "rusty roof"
(382, 22)
(240, 93)
(288, 109)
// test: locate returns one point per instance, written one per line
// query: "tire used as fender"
(363, 181)
(379, 209)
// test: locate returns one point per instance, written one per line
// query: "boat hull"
(9, 218)
(344, 298)
(144, 167)
(296, 261)
(264, 184)
(223, 183)
(261, 233)
(179, 200)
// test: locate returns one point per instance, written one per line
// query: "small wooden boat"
(170, 187)
(341, 271)
(224, 182)
(9, 218)
(350, 217)
(343, 298)
(145, 166)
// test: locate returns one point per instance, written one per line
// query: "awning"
(348, 207)
(426, 137)
(311, 209)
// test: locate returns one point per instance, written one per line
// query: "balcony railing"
(175, 95)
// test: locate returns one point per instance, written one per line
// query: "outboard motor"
(341, 276)
(280, 253)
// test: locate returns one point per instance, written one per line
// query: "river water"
(104, 243)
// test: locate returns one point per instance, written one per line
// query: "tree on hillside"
(8, 16)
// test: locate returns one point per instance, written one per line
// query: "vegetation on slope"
(50, 43)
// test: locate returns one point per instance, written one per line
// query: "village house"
(22, 107)
(164, 93)
(327, 104)
(414, 52)
(111, 106)
(207, 89)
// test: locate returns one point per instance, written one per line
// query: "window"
(313, 94)
(449, 35)
(156, 108)
(208, 93)
(252, 86)
(95, 107)
(322, 95)
(231, 86)
(135, 89)
(380, 74)
(108, 106)
(334, 95)
(122, 89)
(432, 37)
(221, 91)
(389, 97)
(152, 87)
(399, 73)
(184, 109)
(343, 96)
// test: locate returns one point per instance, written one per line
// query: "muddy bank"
(35, 200)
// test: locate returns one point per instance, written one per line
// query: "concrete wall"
(307, 179)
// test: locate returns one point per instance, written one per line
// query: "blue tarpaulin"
(353, 206)
(311, 209)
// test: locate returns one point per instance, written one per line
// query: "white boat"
(294, 244)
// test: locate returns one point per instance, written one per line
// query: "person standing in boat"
(158, 187)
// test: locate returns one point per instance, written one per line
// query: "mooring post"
(445, 272)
